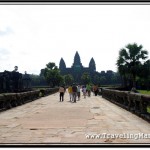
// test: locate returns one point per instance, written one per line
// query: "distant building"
(77, 68)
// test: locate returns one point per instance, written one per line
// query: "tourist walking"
(61, 91)
(78, 91)
(70, 92)
(74, 92)
(88, 88)
(96, 90)
(84, 91)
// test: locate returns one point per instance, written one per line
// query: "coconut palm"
(130, 59)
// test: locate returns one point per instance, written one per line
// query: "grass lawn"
(148, 109)
(144, 92)
(147, 93)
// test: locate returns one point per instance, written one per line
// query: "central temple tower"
(77, 61)
(77, 68)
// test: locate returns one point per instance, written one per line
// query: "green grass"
(147, 93)
(148, 109)
(144, 92)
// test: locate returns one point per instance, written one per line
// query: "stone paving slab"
(49, 121)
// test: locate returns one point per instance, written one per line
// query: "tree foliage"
(86, 79)
(37, 80)
(96, 79)
(68, 79)
(52, 74)
(130, 61)
(144, 75)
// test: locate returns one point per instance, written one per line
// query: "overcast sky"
(33, 35)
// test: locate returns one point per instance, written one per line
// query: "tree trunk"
(124, 82)
(134, 81)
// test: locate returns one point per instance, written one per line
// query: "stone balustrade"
(133, 102)
(9, 100)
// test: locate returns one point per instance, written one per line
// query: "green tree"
(144, 75)
(37, 80)
(130, 60)
(103, 80)
(86, 79)
(51, 66)
(96, 79)
(52, 74)
(68, 79)
(117, 78)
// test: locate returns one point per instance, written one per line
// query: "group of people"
(75, 91)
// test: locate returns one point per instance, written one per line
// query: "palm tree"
(123, 70)
(130, 60)
(144, 74)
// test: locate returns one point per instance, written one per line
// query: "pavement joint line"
(47, 119)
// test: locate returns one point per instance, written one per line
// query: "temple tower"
(92, 65)
(77, 68)
(62, 66)
(77, 61)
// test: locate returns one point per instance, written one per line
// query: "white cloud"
(45, 33)
(6, 31)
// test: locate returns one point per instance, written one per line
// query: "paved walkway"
(47, 120)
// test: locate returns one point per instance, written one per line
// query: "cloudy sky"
(33, 35)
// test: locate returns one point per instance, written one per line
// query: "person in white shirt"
(84, 91)
(78, 92)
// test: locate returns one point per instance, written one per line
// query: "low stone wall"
(9, 100)
(134, 102)
(47, 91)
